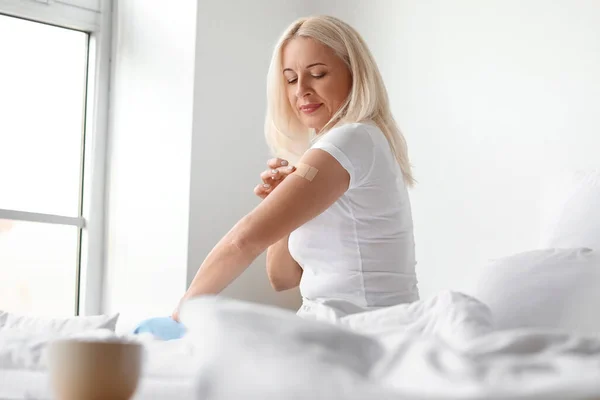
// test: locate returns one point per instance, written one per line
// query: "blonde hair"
(368, 99)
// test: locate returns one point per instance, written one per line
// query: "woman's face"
(318, 81)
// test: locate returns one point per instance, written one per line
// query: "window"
(51, 103)
(43, 81)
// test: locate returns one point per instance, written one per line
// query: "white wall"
(493, 96)
(170, 201)
(149, 156)
(233, 50)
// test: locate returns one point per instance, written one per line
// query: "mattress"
(35, 385)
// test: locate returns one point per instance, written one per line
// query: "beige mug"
(94, 370)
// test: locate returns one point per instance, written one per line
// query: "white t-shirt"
(361, 249)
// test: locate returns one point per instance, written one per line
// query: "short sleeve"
(353, 147)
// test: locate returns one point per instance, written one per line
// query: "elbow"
(277, 286)
(280, 286)
(281, 283)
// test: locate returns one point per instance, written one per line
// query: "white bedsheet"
(442, 348)
(34, 385)
(169, 368)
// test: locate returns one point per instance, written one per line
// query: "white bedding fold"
(441, 348)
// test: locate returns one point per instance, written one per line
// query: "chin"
(313, 123)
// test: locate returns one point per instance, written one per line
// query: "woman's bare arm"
(295, 202)
(283, 271)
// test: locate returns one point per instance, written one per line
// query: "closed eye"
(294, 80)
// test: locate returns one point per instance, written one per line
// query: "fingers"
(270, 175)
(279, 169)
(277, 174)
(175, 314)
(277, 162)
(263, 190)
(285, 171)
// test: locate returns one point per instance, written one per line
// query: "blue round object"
(164, 328)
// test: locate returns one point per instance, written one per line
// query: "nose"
(302, 89)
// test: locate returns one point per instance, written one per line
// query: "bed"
(529, 329)
(444, 347)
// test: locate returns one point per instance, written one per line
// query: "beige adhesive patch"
(306, 171)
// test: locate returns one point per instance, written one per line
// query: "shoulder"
(353, 146)
(358, 133)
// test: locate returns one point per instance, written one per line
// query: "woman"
(344, 232)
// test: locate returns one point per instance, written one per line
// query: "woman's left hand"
(175, 315)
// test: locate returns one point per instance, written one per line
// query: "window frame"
(93, 17)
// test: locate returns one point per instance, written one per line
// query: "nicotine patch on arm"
(306, 171)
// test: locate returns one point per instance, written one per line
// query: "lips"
(310, 108)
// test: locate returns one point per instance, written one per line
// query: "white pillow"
(26, 350)
(551, 288)
(571, 211)
(58, 326)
